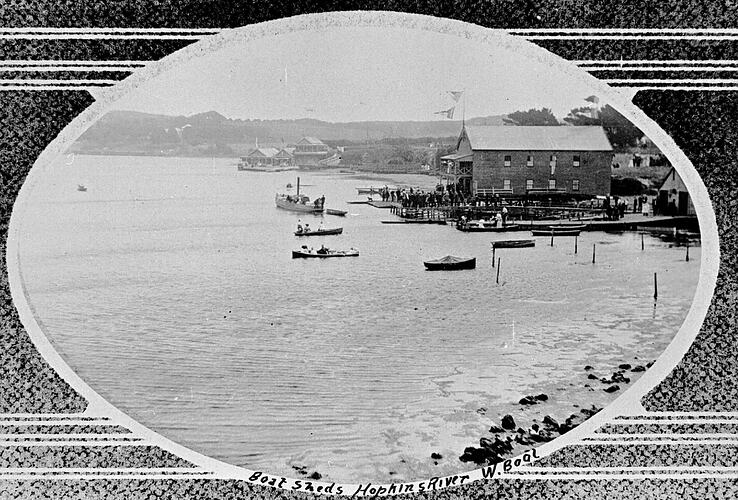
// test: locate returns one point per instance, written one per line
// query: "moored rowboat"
(333, 211)
(450, 263)
(556, 232)
(316, 254)
(514, 243)
(320, 232)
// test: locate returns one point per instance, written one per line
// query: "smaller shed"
(673, 197)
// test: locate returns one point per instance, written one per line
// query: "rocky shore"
(508, 438)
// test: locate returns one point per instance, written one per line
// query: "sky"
(359, 73)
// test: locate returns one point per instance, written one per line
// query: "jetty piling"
(552, 236)
(655, 287)
(594, 252)
(493, 255)
(498, 270)
(687, 259)
(576, 244)
(642, 244)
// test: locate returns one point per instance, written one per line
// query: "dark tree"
(620, 131)
(542, 116)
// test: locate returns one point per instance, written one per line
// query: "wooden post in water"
(493, 255)
(594, 252)
(298, 188)
(687, 250)
(552, 237)
(576, 243)
(655, 287)
(642, 245)
(498, 270)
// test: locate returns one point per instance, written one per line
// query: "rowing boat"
(486, 229)
(316, 254)
(556, 232)
(514, 243)
(320, 232)
(450, 263)
(333, 211)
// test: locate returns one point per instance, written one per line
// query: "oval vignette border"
(628, 402)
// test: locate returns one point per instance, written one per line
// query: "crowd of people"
(450, 195)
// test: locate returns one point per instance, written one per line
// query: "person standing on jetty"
(504, 216)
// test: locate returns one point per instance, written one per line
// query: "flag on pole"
(593, 99)
(456, 94)
(448, 112)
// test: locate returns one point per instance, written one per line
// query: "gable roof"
(265, 152)
(311, 140)
(285, 152)
(538, 138)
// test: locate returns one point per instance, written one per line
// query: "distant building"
(267, 157)
(259, 157)
(310, 151)
(673, 197)
(519, 160)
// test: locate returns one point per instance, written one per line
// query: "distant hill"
(211, 133)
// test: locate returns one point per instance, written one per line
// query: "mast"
(298, 187)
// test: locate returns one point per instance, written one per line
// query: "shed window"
(529, 184)
(552, 184)
(575, 185)
(506, 184)
(576, 161)
(529, 161)
(508, 160)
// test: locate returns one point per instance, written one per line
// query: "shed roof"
(538, 138)
(311, 140)
(265, 152)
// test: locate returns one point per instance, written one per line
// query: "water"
(170, 288)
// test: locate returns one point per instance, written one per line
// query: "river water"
(170, 288)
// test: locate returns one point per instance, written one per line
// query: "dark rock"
(650, 364)
(588, 368)
(528, 400)
(535, 427)
(487, 443)
(508, 423)
(549, 421)
(638, 368)
(478, 455)
(592, 376)
(588, 412)
(524, 439)
(542, 397)
(612, 388)
(542, 437)
(315, 475)
(618, 377)
(436, 456)
(482, 410)
(624, 366)
(496, 429)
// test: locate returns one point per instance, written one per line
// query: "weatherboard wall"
(593, 173)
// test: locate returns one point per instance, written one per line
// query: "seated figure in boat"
(307, 228)
(320, 226)
(323, 250)
(299, 226)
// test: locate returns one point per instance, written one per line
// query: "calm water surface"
(170, 288)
